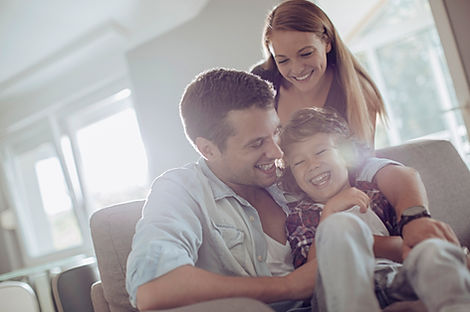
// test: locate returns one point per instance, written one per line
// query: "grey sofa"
(446, 177)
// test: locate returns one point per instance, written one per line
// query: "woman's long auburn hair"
(363, 99)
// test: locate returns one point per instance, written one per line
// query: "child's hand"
(345, 200)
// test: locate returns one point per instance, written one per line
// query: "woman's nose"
(297, 67)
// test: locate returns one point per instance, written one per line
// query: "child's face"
(317, 166)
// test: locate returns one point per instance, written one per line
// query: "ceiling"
(40, 38)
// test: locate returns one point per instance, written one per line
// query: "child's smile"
(318, 167)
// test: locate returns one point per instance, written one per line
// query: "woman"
(309, 65)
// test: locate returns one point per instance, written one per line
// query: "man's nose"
(274, 151)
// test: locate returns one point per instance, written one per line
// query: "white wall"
(226, 33)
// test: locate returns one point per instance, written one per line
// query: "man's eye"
(257, 144)
(306, 54)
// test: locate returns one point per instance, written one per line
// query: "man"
(208, 228)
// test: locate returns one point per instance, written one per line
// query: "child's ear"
(207, 148)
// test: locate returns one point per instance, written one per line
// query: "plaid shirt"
(304, 216)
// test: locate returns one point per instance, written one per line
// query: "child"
(323, 134)
(321, 160)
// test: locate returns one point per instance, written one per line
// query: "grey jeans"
(350, 279)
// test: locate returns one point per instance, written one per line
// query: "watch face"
(412, 211)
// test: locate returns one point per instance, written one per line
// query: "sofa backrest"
(112, 230)
(445, 176)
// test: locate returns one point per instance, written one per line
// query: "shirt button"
(260, 258)
(252, 218)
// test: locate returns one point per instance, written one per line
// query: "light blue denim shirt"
(191, 217)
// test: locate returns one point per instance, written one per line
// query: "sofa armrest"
(97, 298)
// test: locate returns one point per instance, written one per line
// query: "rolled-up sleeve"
(167, 236)
(372, 166)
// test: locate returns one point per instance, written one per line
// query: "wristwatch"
(410, 214)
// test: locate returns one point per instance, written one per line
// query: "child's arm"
(344, 200)
(389, 247)
(312, 253)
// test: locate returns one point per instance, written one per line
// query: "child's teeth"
(320, 179)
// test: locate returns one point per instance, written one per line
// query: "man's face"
(249, 155)
(318, 167)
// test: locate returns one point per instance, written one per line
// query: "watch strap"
(406, 218)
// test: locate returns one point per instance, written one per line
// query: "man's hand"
(420, 229)
(345, 200)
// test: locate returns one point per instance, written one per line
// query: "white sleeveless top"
(371, 219)
(279, 259)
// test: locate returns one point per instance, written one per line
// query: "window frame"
(93, 105)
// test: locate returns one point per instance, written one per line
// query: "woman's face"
(300, 57)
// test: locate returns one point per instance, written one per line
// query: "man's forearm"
(188, 284)
(389, 247)
(402, 186)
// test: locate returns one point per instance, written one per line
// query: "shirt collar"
(219, 188)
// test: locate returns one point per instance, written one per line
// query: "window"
(401, 50)
(112, 156)
(47, 219)
(66, 165)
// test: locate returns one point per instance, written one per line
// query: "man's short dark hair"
(212, 94)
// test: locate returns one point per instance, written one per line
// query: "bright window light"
(54, 195)
(57, 204)
(113, 160)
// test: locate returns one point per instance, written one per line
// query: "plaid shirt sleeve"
(301, 225)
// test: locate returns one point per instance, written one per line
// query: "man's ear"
(207, 148)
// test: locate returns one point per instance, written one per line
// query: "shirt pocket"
(232, 236)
